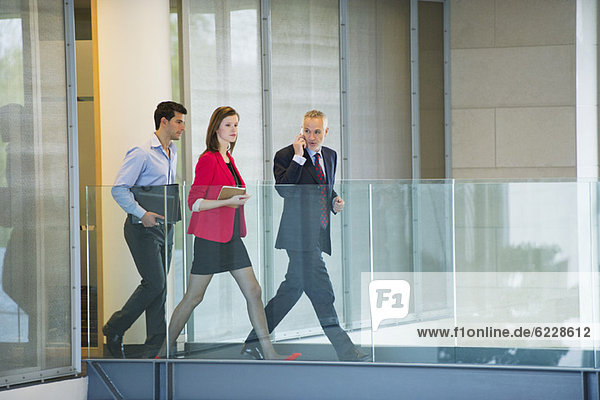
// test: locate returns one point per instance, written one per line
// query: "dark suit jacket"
(300, 227)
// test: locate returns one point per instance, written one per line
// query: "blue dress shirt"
(145, 165)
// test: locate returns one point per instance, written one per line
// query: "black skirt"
(214, 257)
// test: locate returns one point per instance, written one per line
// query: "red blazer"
(210, 176)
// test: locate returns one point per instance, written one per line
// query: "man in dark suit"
(304, 176)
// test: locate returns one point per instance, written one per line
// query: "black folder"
(153, 198)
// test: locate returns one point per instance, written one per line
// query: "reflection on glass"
(11, 67)
(18, 303)
(35, 296)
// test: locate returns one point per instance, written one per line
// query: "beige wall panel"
(431, 79)
(431, 18)
(134, 72)
(473, 138)
(85, 139)
(513, 173)
(534, 22)
(535, 137)
(528, 76)
(432, 143)
(85, 82)
(472, 23)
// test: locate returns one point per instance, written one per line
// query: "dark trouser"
(152, 259)
(307, 273)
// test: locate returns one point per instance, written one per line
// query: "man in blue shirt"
(151, 164)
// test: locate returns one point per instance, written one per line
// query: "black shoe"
(253, 350)
(114, 342)
(356, 356)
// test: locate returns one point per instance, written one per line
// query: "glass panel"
(478, 259)
(222, 317)
(35, 290)
(134, 265)
(411, 225)
(221, 320)
(519, 261)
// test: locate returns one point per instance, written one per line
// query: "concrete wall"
(513, 88)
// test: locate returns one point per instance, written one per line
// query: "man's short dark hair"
(167, 109)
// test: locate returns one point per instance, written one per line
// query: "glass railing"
(36, 318)
(502, 273)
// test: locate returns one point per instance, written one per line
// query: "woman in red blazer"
(218, 226)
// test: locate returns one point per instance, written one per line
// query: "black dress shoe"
(114, 343)
(356, 356)
(252, 350)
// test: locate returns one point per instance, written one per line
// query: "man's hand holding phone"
(299, 144)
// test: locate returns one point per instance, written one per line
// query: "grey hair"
(316, 114)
